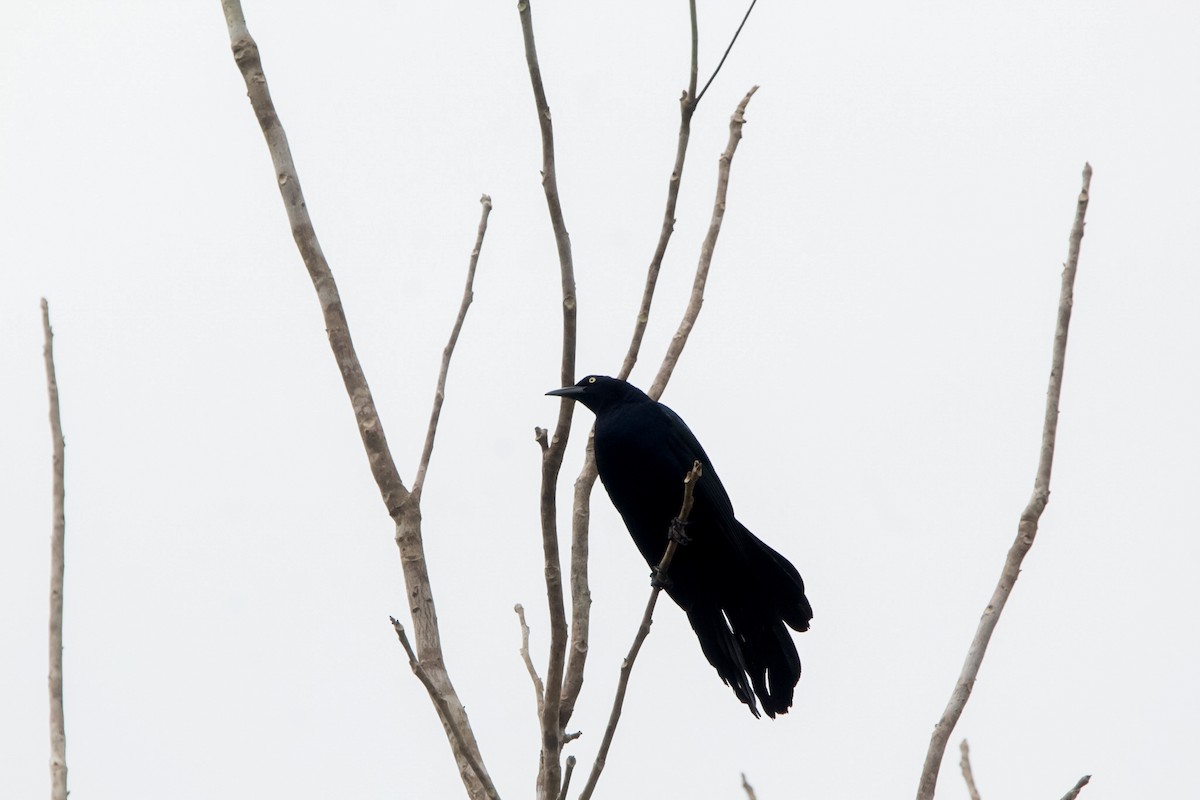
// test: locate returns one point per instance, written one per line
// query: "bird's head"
(600, 392)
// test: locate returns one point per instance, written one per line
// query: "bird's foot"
(678, 532)
(659, 579)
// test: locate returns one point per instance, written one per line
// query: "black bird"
(738, 593)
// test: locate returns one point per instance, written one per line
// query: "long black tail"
(744, 634)
(756, 657)
(723, 650)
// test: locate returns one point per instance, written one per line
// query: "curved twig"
(58, 532)
(400, 504)
(440, 393)
(685, 509)
(1028, 525)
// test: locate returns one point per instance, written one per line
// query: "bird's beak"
(567, 391)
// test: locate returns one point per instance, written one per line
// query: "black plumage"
(739, 594)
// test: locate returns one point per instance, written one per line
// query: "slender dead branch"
(58, 532)
(539, 690)
(1079, 784)
(706, 252)
(440, 393)
(687, 107)
(438, 700)
(549, 769)
(968, 775)
(401, 506)
(660, 573)
(581, 596)
(721, 63)
(1028, 525)
(750, 795)
(581, 593)
(246, 55)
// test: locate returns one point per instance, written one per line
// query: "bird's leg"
(678, 532)
(677, 537)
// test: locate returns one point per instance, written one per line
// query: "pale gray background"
(868, 374)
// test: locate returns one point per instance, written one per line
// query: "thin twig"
(1079, 784)
(721, 63)
(687, 108)
(550, 770)
(706, 251)
(968, 775)
(581, 596)
(440, 393)
(438, 700)
(685, 509)
(58, 531)
(1028, 525)
(400, 504)
(750, 795)
(539, 690)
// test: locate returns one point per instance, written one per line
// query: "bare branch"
(539, 690)
(706, 252)
(58, 531)
(660, 572)
(750, 795)
(440, 393)
(440, 702)
(968, 775)
(687, 108)
(246, 55)
(401, 506)
(550, 770)
(1028, 525)
(581, 596)
(1079, 784)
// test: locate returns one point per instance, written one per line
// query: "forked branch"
(675, 349)
(401, 506)
(440, 702)
(1028, 525)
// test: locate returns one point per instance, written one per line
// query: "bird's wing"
(709, 492)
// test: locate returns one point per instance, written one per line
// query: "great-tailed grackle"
(738, 593)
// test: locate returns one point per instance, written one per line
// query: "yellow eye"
(591, 380)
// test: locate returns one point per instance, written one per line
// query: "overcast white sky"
(868, 373)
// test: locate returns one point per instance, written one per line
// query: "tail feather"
(776, 665)
(753, 654)
(723, 650)
(783, 584)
